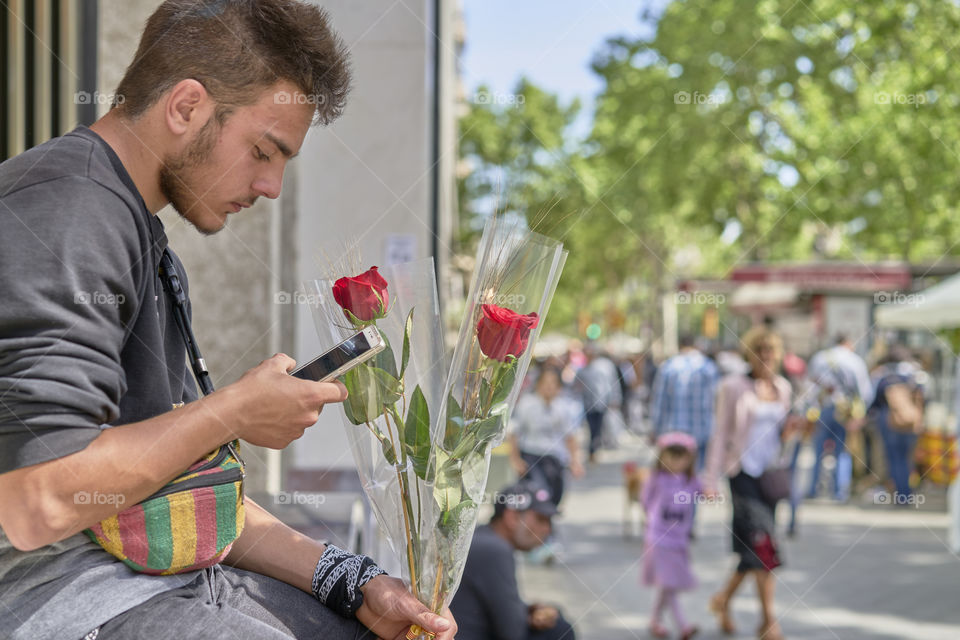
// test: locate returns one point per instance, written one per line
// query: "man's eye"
(261, 155)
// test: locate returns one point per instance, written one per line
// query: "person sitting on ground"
(488, 604)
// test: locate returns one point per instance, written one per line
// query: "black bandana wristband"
(338, 578)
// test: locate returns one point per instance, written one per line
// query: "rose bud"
(364, 296)
(503, 333)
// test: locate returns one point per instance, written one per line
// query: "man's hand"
(389, 609)
(542, 617)
(274, 408)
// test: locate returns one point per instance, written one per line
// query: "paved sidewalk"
(852, 573)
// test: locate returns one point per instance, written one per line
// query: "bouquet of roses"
(421, 434)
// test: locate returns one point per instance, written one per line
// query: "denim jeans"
(899, 448)
(595, 423)
(232, 604)
(829, 430)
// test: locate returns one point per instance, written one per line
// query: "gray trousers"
(232, 604)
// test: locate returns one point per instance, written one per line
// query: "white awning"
(937, 307)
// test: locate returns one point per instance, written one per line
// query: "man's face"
(529, 529)
(225, 168)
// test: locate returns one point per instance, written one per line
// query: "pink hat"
(676, 439)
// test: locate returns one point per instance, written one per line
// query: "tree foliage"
(743, 130)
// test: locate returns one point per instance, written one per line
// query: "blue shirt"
(683, 395)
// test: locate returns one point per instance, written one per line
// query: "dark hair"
(686, 340)
(548, 370)
(236, 49)
(677, 450)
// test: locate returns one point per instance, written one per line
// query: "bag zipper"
(232, 475)
(228, 476)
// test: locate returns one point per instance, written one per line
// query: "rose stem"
(466, 381)
(434, 600)
(404, 494)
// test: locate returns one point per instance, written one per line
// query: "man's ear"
(188, 107)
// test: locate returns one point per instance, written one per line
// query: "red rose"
(502, 332)
(365, 295)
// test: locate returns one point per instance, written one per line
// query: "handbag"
(776, 481)
(193, 520)
(775, 484)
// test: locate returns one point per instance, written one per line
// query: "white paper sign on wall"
(400, 247)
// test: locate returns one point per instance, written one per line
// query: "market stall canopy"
(937, 307)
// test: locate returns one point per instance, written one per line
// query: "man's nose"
(269, 185)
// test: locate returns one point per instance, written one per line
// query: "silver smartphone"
(332, 364)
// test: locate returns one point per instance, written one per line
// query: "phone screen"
(350, 349)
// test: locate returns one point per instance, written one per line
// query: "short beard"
(174, 172)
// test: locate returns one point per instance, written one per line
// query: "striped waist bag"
(190, 523)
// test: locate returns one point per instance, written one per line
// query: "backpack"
(906, 414)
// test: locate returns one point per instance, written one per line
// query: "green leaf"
(454, 426)
(474, 474)
(488, 428)
(416, 432)
(447, 489)
(450, 520)
(386, 360)
(477, 433)
(405, 352)
(388, 388)
(370, 390)
(363, 401)
(504, 383)
(484, 394)
(388, 452)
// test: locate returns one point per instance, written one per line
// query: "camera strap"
(171, 284)
(170, 278)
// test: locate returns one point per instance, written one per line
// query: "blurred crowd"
(775, 426)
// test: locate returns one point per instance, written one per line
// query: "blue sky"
(549, 41)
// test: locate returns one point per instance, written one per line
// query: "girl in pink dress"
(668, 497)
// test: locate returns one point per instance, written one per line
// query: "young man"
(91, 360)
(488, 601)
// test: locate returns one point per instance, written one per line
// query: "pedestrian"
(683, 394)
(898, 405)
(599, 385)
(752, 411)
(844, 392)
(543, 436)
(668, 497)
(806, 408)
